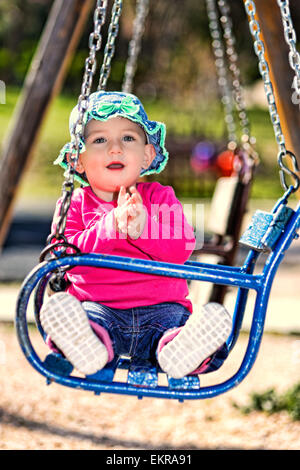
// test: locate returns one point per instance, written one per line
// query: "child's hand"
(137, 216)
(130, 213)
(121, 211)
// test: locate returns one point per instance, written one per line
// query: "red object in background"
(225, 163)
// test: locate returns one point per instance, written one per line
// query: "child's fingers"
(129, 203)
(137, 201)
(132, 210)
(135, 194)
(128, 206)
(133, 233)
(122, 227)
(121, 196)
(121, 215)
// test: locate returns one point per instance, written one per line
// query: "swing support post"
(43, 82)
(277, 52)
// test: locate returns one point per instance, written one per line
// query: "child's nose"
(115, 147)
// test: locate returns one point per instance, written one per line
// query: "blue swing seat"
(272, 232)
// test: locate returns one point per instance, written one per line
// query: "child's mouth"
(115, 166)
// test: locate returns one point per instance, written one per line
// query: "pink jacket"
(166, 237)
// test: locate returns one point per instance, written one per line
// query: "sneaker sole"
(202, 335)
(65, 321)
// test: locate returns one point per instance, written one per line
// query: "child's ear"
(79, 167)
(149, 156)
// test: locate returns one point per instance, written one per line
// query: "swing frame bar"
(241, 277)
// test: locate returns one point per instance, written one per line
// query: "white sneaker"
(66, 322)
(202, 335)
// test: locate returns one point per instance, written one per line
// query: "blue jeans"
(135, 332)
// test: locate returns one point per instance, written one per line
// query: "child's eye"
(128, 138)
(99, 140)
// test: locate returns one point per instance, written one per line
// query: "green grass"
(43, 179)
(271, 402)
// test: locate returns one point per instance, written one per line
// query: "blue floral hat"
(106, 105)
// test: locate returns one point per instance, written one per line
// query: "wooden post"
(43, 82)
(277, 51)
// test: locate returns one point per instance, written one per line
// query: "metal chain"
(231, 94)
(232, 55)
(264, 71)
(259, 49)
(247, 140)
(220, 61)
(95, 41)
(142, 8)
(291, 40)
(110, 44)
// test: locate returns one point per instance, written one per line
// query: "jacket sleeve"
(93, 233)
(167, 235)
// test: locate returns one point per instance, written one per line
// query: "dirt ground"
(36, 416)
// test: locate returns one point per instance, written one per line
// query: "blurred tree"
(178, 63)
(21, 24)
(175, 61)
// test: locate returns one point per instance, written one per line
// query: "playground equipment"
(234, 164)
(270, 233)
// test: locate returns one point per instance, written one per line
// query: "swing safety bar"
(241, 277)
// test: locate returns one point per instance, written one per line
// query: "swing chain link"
(291, 40)
(222, 76)
(142, 8)
(110, 44)
(95, 41)
(234, 93)
(263, 66)
(226, 23)
(248, 141)
(68, 187)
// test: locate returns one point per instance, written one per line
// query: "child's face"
(116, 152)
